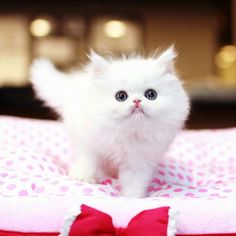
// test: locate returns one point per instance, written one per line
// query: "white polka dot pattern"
(34, 156)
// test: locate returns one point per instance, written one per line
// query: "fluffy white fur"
(108, 138)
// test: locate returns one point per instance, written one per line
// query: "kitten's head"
(130, 90)
(139, 89)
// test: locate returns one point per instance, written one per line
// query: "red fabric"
(91, 222)
(12, 233)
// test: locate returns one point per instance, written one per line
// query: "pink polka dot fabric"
(34, 155)
(33, 160)
(197, 177)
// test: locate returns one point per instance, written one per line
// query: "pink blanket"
(197, 178)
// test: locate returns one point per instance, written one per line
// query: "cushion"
(197, 178)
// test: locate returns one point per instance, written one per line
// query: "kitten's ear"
(167, 59)
(98, 63)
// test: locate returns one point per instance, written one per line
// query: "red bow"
(91, 222)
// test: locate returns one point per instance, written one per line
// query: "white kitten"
(122, 114)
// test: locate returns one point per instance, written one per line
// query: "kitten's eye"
(150, 94)
(121, 96)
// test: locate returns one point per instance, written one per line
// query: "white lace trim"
(171, 228)
(69, 218)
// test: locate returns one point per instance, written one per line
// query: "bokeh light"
(40, 27)
(226, 57)
(115, 29)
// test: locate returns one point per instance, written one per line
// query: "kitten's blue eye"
(150, 94)
(121, 96)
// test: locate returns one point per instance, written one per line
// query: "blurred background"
(204, 33)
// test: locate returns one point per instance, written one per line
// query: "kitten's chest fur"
(124, 150)
(127, 145)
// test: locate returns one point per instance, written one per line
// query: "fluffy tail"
(50, 85)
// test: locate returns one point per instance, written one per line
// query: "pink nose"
(137, 102)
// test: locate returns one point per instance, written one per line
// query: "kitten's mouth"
(137, 110)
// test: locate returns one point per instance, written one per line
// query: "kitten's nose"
(137, 102)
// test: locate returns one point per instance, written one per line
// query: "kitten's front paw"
(133, 191)
(81, 175)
